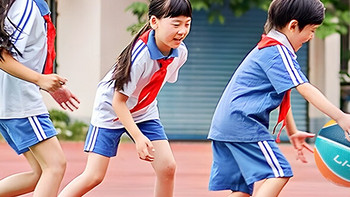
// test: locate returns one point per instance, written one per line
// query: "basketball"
(332, 154)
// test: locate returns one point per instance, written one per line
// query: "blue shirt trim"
(25, 23)
(43, 7)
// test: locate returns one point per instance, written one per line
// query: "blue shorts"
(237, 166)
(105, 141)
(22, 133)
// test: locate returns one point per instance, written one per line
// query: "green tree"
(337, 18)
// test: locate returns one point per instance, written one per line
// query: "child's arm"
(143, 144)
(317, 99)
(47, 82)
(297, 138)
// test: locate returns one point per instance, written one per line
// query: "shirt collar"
(154, 51)
(280, 37)
(43, 7)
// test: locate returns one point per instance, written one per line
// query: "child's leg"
(238, 194)
(271, 187)
(52, 161)
(92, 176)
(21, 183)
(164, 166)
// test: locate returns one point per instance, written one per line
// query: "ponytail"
(121, 73)
(5, 39)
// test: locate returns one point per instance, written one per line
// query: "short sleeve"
(136, 71)
(284, 71)
(19, 22)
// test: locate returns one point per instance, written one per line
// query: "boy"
(244, 152)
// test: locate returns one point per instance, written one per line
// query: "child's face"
(170, 32)
(296, 37)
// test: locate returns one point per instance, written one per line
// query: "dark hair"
(306, 12)
(159, 9)
(5, 38)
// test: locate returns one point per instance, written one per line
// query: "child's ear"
(293, 25)
(153, 21)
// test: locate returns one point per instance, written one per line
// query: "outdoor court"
(128, 176)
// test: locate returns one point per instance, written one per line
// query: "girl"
(24, 119)
(125, 99)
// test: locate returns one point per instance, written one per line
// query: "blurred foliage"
(140, 10)
(337, 19)
(68, 130)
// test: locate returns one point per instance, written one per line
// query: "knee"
(168, 170)
(57, 168)
(95, 179)
(61, 166)
(36, 174)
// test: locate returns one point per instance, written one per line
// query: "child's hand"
(344, 123)
(298, 141)
(65, 98)
(50, 82)
(144, 148)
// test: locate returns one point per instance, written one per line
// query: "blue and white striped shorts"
(105, 141)
(237, 166)
(22, 133)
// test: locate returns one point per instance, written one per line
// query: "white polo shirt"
(144, 65)
(18, 98)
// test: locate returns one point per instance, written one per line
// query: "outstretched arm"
(144, 146)
(297, 138)
(47, 82)
(317, 99)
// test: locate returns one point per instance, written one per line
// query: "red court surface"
(130, 177)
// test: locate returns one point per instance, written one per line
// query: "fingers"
(51, 82)
(147, 153)
(347, 135)
(61, 80)
(69, 104)
(301, 156)
(310, 135)
(65, 99)
(146, 156)
(61, 105)
(73, 101)
(75, 98)
(308, 147)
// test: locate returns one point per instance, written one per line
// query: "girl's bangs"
(179, 8)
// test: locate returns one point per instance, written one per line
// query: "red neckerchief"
(285, 104)
(51, 53)
(149, 93)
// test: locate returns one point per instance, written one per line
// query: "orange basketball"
(332, 154)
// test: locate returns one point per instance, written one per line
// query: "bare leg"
(164, 166)
(92, 176)
(21, 183)
(271, 187)
(52, 161)
(238, 194)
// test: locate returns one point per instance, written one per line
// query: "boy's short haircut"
(306, 12)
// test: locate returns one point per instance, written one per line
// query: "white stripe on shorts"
(92, 139)
(271, 158)
(38, 129)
